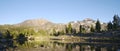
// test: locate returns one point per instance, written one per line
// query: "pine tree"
(116, 22)
(66, 29)
(114, 26)
(80, 29)
(109, 26)
(98, 26)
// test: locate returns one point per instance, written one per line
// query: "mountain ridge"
(38, 24)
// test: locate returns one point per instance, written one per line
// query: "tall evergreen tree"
(66, 29)
(80, 29)
(109, 26)
(114, 26)
(98, 26)
(116, 22)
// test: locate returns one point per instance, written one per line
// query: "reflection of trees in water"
(69, 47)
(87, 47)
(34, 44)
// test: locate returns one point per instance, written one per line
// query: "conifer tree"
(109, 26)
(98, 26)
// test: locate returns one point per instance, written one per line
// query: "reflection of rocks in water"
(103, 49)
(89, 47)
(68, 47)
(57, 46)
(77, 48)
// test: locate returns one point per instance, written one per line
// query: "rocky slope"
(49, 26)
(43, 24)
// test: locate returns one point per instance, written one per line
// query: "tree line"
(111, 26)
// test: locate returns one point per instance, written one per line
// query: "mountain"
(49, 26)
(87, 23)
(43, 24)
(34, 22)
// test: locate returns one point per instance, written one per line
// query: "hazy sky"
(58, 11)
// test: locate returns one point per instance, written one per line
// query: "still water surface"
(69, 46)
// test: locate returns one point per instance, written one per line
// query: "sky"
(57, 11)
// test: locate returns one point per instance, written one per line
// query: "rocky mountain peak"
(49, 26)
(35, 22)
(88, 19)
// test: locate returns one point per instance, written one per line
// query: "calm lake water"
(65, 46)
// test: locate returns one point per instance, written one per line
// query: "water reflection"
(51, 45)
(90, 47)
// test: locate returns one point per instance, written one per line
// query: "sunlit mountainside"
(43, 24)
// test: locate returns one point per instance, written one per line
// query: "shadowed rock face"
(47, 25)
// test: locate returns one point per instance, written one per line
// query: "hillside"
(48, 26)
(44, 24)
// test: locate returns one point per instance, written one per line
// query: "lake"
(61, 45)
